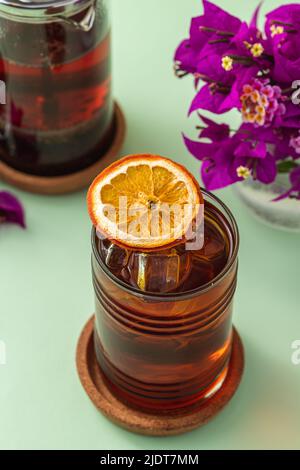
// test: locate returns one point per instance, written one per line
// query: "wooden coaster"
(92, 380)
(74, 181)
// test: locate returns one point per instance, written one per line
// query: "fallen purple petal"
(11, 210)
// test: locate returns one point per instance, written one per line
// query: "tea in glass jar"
(55, 62)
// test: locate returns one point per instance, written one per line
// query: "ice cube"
(214, 251)
(159, 272)
(113, 256)
(202, 273)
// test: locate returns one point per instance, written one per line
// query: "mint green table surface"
(45, 280)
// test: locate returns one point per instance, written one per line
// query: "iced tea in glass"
(163, 328)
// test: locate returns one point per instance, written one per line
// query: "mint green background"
(45, 281)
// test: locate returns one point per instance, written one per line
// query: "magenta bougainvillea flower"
(237, 66)
(11, 210)
(294, 191)
(228, 159)
(283, 30)
(208, 33)
(295, 181)
(295, 143)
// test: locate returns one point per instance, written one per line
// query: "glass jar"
(258, 198)
(161, 352)
(55, 67)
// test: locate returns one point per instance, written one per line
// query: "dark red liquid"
(164, 353)
(58, 117)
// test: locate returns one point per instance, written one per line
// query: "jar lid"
(41, 10)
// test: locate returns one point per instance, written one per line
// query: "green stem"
(286, 166)
(216, 31)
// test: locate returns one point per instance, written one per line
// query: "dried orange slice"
(144, 202)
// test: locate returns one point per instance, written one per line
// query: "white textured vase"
(258, 198)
